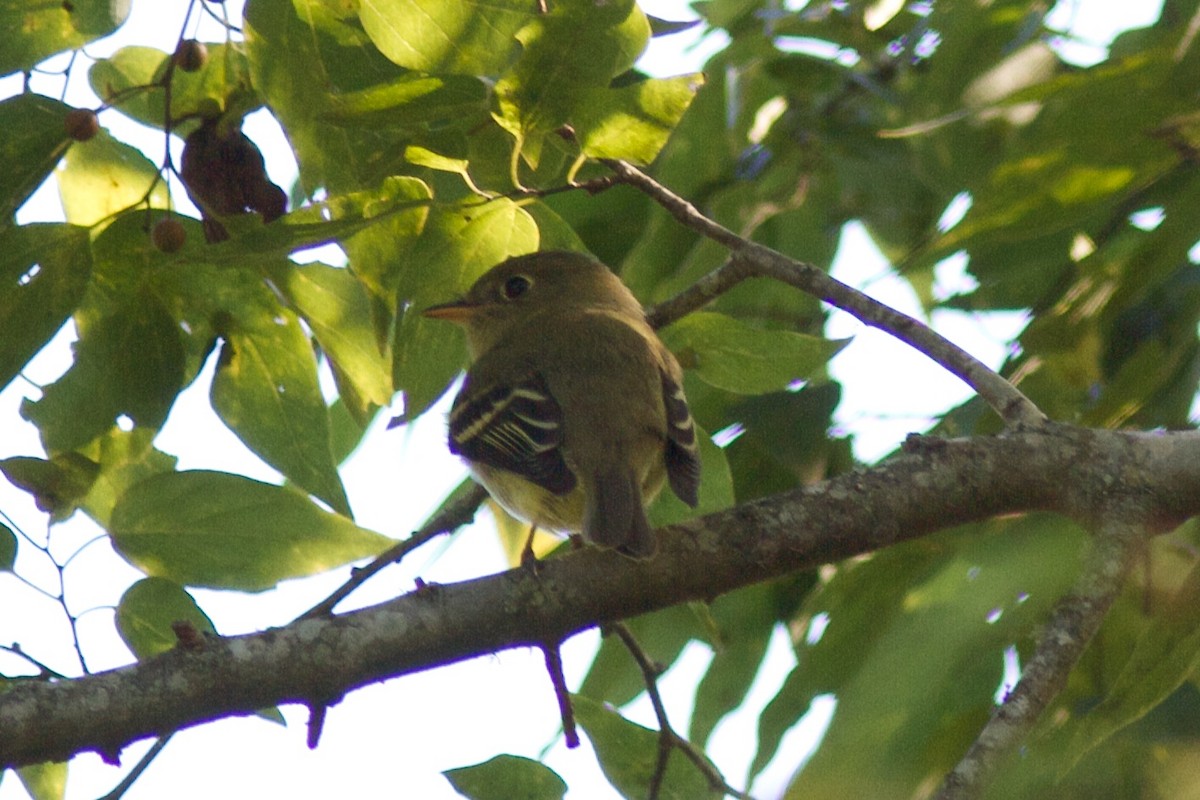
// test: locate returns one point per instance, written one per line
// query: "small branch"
(46, 672)
(121, 788)
(1074, 622)
(680, 209)
(563, 695)
(699, 294)
(316, 724)
(456, 512)
(1005, 399)
(668, 739)
(751, 259)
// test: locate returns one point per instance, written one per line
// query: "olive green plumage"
(572, 414)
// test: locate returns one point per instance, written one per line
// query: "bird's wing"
(683, 454)
(515, 427)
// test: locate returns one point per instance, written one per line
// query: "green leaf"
(614, 677)
(413, 100)
(128, 362)
(784, 439)
(266, 391)
(148, 612)
(628, 754)
(378, 254)
(134, 75)
(102, 176)
(149, 616)
(8, 548)
(457, 246)
(224, 531)
(914, 649)
(467, 38)
(716, 488)
(401, 201)
(338, 312)
(45, 781)
(632, 123)
(35, 138)
(1166, 655)
(326, 44)
(36, 31)
(744, 622)
(44, 270)
(506, 777)
(578, 46)
(737, 357)
(58, 485)
(124, 457)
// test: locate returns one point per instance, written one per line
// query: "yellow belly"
(563, 513)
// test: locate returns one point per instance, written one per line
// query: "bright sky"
(393, 739)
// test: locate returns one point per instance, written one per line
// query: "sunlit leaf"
(266, 390)
(43, 272)
(413, 100)
(336, 308)
(468, 38)
(134, 75)
(45, 781)
(576, 47)
(150, 610)
(225, 531)
(37, 31)
(124, 458)
(102, 176)
(633, 122)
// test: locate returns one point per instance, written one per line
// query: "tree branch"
(1074, 622)
(458, 510)
(668, 738)
(931, 487)
(751, 259)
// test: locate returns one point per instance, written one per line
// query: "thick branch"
(316, 661)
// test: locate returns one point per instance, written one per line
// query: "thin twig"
(138, 768)
(679, 208)
(559, 681)
(457, 511)
(751, 259)
(316, 724)
(698, 294)
(46, 671)
(1074, 622)
(668, 738)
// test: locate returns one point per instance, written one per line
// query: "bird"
(572, 414)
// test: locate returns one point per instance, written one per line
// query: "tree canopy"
(1044, 530)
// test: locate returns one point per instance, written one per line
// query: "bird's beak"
(458, 311)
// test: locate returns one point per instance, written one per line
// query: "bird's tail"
(616, 518)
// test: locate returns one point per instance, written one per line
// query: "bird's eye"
(516, 286)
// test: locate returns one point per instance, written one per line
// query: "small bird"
(572, 415)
